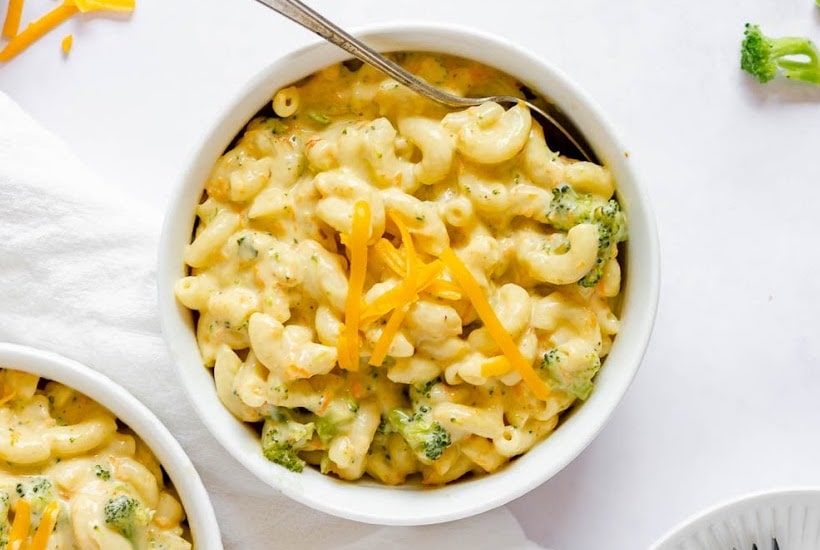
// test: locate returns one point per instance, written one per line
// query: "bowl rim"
(398, 505)
(127, 408)
(697, 522)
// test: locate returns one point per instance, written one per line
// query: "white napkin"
(77, 276)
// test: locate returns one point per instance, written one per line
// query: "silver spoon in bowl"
(563, 135)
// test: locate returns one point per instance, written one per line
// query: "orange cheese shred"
(502, 338)
(495, 366)
(66, 43)
(407, 294)
(410, 258)
(382, 345)
(47, 523)
(348, 348)
(390, 256)
(105, 5)
(11, 24)
(37, 29)
(21, 524)
(445, 290)
(395, 297)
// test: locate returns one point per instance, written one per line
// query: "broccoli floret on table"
(569, 208)
(425, 436)
(763, 56)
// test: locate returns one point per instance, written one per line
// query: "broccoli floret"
(126, 515)
(38, 490)
(569, 375)
(763, 56)
(424, 391)
(283, 438)
(425, 436)
(569, 208)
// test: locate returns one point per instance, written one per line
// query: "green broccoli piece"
(38, 490)
(569, 208)
(283, 438)
(127, 515)
(763, 56)
(574, 377)
(425, 436)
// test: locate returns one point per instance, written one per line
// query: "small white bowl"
(180, 469)
(792, 516)
(368, 501)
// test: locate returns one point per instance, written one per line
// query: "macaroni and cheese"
(390, 287)
(72, 476)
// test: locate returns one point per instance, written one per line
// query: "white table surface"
(727, 399)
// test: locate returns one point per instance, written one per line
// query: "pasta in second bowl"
(392, 289)
(86, 465)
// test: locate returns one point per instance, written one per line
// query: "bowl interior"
(186, 481)
(368, 501)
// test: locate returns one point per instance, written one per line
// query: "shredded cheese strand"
(382, 345)
(502, 338)
(12, 22)
(407, 296)
(47, 522)
(445, 290)
(105, 5)
(37, 29)
(394, 297)
(390, 256)
(349, 340)
(21, 524)
(409, 250)
(66, 43)
(495, 366)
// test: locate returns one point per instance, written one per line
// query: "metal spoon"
(563, 135)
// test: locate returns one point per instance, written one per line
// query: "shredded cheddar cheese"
(37, 29)
(495, 366)
(66, 43)
(382, 345)
(502, 338)
(47, 522)
(395, 297)
(12, 22)
(105, 5)
(348, 347)
(49, 21)
(20, 526)
(390, 256)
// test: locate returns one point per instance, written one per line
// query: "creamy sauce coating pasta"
(72, 477)
(392, 288)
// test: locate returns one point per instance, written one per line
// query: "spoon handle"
(300, 13)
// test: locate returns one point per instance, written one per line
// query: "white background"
(727, 399)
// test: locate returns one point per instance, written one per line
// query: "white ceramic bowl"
(792, 516)
(138, 417)
(371, 502)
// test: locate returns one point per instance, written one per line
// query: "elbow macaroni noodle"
(343, 332)
(65, 459)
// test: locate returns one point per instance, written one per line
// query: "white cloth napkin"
(77, 276)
